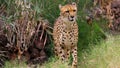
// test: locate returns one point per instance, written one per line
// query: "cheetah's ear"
(73, 3)
(60, 6)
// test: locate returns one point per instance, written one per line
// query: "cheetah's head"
(69, 11)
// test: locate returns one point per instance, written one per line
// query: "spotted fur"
(65, 33)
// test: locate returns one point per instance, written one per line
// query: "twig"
(42, 34)
(45, 41)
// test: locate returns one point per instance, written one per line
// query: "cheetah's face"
(69, 11)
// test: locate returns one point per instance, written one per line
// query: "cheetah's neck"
(68, 25)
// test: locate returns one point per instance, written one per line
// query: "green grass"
(106, 54)
(103, 55)
(15, 64)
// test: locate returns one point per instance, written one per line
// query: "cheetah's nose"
(72, 16)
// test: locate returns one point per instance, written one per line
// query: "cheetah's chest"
(67, 37)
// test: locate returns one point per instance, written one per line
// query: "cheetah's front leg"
(60, 52)
(74, 55)
(67, 54)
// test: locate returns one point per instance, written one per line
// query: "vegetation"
(94, 50)
(103, 55)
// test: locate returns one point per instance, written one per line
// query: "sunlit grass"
(104, 55)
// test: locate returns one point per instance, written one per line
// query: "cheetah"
(65, 33)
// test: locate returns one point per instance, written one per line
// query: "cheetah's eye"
(67, 11)
(74, 10)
